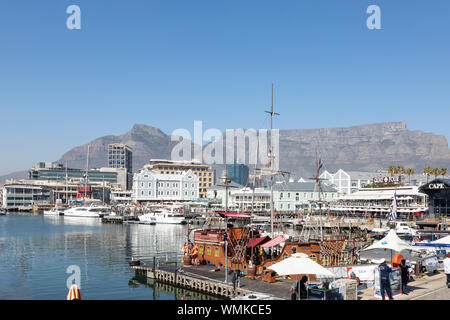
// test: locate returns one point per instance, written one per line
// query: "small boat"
(147, 219)
(164, 216)
(134, 263)
(92, 212)
(2, 212)
(55, 211)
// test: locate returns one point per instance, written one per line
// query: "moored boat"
(92, 212)
(55, 211)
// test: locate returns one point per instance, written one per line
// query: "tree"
(443, 172)
(436, 172)
(427, 170)
(400, 170)
(392, 170)
(409, 172)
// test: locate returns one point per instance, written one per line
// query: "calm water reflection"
(37, 250)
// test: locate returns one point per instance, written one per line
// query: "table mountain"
(358, 148)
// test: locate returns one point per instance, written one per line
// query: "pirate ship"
(230, 240)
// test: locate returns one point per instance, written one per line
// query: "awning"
(255, 241)
(274, 242)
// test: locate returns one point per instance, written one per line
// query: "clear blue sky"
(167, 63)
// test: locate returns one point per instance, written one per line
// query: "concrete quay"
(426, 287)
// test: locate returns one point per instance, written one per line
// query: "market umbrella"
(74, 293)
(299, 263)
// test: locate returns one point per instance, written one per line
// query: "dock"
(211, 280)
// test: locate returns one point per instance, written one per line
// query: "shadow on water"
(160, 289)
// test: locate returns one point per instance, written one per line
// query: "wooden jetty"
(210, 280)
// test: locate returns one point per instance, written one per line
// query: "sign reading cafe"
(436, 186)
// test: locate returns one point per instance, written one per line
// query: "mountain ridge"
(368, 147)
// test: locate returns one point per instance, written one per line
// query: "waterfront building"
(204, 172)
(151, 186)
(218, 192)
(72, 189)
(120, 156)
(287, 196)
(120, 196)
(245, 198)
(23, 197)
(377, 201)
(295, 196)
(47, 171)
(238, 173)
(438, 191)
(347, 182)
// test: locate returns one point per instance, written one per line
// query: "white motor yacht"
(94, 212)
(164, 216)
(55, 211)
(147, 218)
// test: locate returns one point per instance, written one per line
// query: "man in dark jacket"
(303, 290)
(385, 282)
(405, 275)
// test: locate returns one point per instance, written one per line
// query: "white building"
(150, 186)
(378, 201)
(287, 196)
(347, 182)
(294, 196)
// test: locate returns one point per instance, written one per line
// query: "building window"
(216, 252)
(200, 250)
(208, 251)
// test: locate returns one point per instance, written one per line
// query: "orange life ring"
(415, 239)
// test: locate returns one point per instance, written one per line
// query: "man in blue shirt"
(385, 283)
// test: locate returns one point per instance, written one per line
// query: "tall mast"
(86, 179)
(67, 191)
(318, 183)
(271, 163)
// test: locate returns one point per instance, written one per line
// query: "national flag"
(393, 209)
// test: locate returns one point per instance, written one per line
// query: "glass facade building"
(238, 173)
(58, 173)
(121, 156)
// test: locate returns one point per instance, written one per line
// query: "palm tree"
(436, 172)
(443, 172)
(400, 170)
(409, 172)
(392, 170)
(427, 171)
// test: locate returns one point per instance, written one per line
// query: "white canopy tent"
(444, 241)
(391, 241)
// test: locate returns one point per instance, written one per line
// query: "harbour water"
(36, 252)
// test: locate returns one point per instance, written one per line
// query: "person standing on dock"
(447, 268)
(405, 275)
(385, 281)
